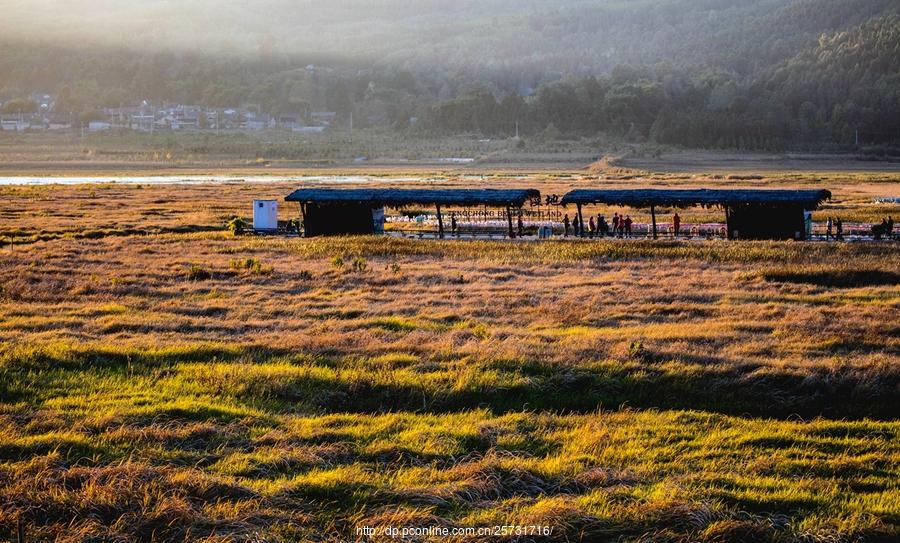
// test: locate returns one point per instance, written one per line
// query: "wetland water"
(200, 179)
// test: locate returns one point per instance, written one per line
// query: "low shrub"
(196, 272)
(236, 226)
(253, 265)
(359, 264)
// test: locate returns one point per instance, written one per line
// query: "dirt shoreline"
(699, 162)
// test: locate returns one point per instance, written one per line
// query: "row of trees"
(749, 87)
(83, 82)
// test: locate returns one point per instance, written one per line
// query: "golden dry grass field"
(164, 380)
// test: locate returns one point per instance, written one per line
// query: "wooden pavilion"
(329, 211)
(749, 213)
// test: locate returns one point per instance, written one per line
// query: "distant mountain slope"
(698, 72)
(848, 80)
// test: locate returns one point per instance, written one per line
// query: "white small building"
(143, 122)
(14, 125)
(309, 129)
(98, 126)
(265, 214)
(255, 124)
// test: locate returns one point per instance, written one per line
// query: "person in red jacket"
(676, 223)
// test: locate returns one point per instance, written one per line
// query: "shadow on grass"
(542, 386)
(27, 237)
(76, 357)
(839, 278)
(318, 384)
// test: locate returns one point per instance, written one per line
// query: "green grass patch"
(570, 251)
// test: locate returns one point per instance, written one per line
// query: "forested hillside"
(710, 73)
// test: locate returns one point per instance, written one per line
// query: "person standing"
(575, 226)
(453, 225)
(828, 228)
(566, 225)
(878, 230)
(628, 226)
(521, 225)
(616, 221)
(839, 228)
(676, 224)
(592, 227)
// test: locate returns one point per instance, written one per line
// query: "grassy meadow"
(163, 380)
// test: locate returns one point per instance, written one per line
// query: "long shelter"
(749, 213)
(328, 211)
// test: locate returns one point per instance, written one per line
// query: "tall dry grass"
(297, 389)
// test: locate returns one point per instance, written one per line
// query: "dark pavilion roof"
(810, 199)
(405, 197)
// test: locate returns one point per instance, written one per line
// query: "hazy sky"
(408, 33)
(329, 25)
(574, 36)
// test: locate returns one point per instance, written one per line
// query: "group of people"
(834, 228)
(884, 229)
(621, 226)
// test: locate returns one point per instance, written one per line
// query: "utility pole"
(857, 136)
(517, 129)
(351, 126)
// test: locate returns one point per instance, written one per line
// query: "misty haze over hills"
(570, 37)
(782, 70)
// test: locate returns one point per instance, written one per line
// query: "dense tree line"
(845, 87)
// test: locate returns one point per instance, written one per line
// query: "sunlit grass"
(615, 391)
(472, 467)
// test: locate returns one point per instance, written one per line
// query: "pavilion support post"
(302, 225)
(727, 223)
(653, 217)
(580, 232)
(509, 220)
(440, 222)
